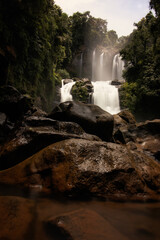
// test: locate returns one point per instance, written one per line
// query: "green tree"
(141, 55)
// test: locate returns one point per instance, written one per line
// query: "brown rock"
(127, 116)
(35, 134)
(83, 224)
(88, 168)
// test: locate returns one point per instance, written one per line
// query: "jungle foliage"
(38, 42)
(141, 92)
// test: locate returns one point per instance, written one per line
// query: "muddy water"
(23, 215)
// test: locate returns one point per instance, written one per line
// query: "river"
(130, 220)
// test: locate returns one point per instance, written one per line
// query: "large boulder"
(90, 117)
(79, 167)
(34, 134)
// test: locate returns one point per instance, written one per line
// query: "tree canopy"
(141, 93)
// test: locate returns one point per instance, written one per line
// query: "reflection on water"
(132, 220)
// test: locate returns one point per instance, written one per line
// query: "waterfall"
(106, 96)
(80, 65)
(93, 65)
(117, 68)
(65, 91)
(101, 72)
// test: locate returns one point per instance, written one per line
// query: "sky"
(120, 14)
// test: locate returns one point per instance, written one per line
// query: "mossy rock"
(80, 92)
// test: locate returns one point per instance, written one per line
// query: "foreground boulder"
(79, 167)
(34, 134)
(90, 117)
(83, 224)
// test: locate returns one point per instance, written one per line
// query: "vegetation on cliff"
(141, 92)
(38, 42)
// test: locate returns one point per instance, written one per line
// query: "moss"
(80, 92)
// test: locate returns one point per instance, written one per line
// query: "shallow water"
(132, 220)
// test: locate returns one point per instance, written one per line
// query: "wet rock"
(90, 117)
(82, 224)
(65, 81)
(124, 127)
(148, 137)
(127, 116)
(3, 119)
(16, 218)
(33, 135)
(5, 127)
(79, 168)
(116, 82)
(13, 103)
(149, 127)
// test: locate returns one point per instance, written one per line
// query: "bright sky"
(120, 14)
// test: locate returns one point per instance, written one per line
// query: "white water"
(66, 91)
(106, 96)
(93, 65)
(117, 68)
(101, 72)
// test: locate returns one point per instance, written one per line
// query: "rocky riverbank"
(78, 150)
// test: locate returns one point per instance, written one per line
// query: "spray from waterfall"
(66, 91)
(80, 65)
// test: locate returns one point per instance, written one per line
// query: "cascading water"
(117, 68)
(66, 91)
(106, 96)
(101, 67)
(93, 65)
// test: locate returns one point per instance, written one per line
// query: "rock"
(90, 117)
(116, 82)
(3, 119)
(5, 127)
(83, 224)
(148, 137)
(127, 116)
(35, 134)
(124, 127)
(13, 103)
(16, 218)
(149, 127)
(65, 81)
(83, 168)
(82, 90)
